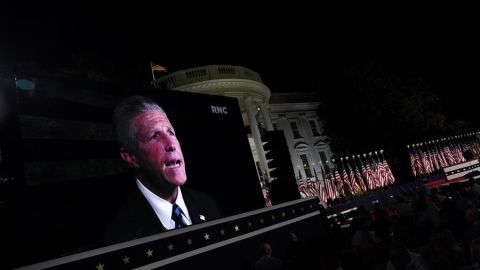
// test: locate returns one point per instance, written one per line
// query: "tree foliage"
(369, 109)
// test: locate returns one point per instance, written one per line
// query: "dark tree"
(370, 109)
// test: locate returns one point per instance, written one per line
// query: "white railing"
(205, 73)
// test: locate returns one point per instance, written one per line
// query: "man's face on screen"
(158, 154)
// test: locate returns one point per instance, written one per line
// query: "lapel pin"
(202, 217)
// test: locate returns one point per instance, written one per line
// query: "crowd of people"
(435, 229)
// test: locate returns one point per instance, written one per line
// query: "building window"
(306, 166)
(323, 157)
(296, 132)
(313, 125)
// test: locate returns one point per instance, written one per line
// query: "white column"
(266, 117)
(249, 108)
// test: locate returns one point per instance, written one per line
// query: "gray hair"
(123, 116)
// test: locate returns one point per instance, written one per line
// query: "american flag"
(456, 151)
(346, 180)
(266, 196)
(372, 173)
(383, 168)
(472, 144)
(463, 146)
(439, 154)
(390, 177)
(339, 182)
(412, 161)
(432, 157)
(381, 172)
(355, 187)
(365, 174)
(327, 182)
(448, 153)
(302, 187)
(159, 68)
(322, 193)
(418, 161)
(425, 160)
(333, 183)
(310, 188)
(476, 144)
(359, 176)
(328, 188)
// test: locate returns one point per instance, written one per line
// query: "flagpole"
(151, 69)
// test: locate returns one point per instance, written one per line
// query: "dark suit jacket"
(136, 218)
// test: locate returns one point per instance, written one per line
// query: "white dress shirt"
(163, 208)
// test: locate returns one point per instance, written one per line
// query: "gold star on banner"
(283, 214)
(301, 208)
(189, 241)
(249, 224)
(261, 220)
(273, 217)
(311, 206)
(149, 253)
(237, 228)
(206, 236)
(293, 211)
(170, 247)
(126, 259)
(222, 232)
(100, 266)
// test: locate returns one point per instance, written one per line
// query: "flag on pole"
(418, 161)
(359, 175)
(339, 182)
(158, 68)
(155, 67)
(439, 154)
(346, 180)
(351, 176)
(390, 179)
(322, 189)
(334, 188)
(431, 154)
(366, 176)
(412, 161)
(425, 160)
(382, 169)
(372, 175)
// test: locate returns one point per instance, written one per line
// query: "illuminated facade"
(261, 111)
(303, 129)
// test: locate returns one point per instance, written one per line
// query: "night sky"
(294, 48)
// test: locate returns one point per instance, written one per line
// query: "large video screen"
(69, 186)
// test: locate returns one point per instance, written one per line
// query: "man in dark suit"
(158, 202)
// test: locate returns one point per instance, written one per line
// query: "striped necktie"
(177, 216)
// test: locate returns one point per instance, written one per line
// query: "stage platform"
(227, 243)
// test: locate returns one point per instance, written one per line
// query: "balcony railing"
(205, 73)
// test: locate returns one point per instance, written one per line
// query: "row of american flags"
(348, 176)
(428, 158)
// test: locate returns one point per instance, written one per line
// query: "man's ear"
(129, 158)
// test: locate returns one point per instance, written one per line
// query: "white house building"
(295, 114)
(303, 129)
